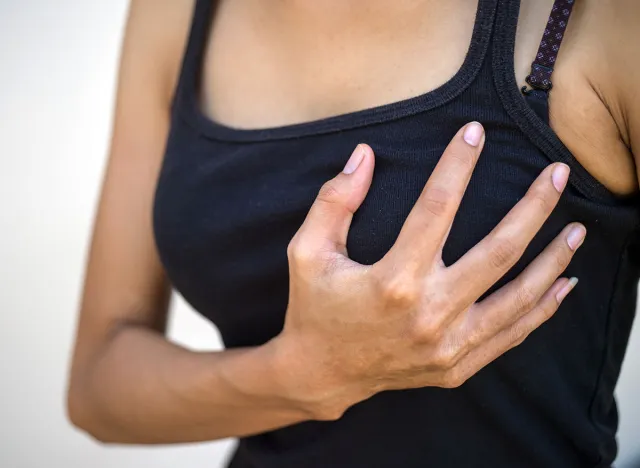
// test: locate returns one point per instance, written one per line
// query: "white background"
(58, 62)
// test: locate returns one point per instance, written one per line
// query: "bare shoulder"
(156, 34)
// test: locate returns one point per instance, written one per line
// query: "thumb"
(327, 223)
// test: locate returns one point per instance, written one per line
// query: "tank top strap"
(194, 50)
(542, 67)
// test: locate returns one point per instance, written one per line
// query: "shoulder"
(155, 39)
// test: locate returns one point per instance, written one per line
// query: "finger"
(425, 229)
(512, 336)
(507, 305)
(494, 255)
(327, 224)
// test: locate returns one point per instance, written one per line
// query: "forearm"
(143, 389)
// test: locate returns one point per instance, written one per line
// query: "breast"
(225, 211)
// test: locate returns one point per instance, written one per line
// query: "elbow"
(79, 413)
(82, 413)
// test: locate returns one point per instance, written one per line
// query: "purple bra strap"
(542, 66)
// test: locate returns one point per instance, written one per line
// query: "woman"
(371, 318)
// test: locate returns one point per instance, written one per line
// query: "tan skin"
(128, 384)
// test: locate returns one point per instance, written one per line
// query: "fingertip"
(566, 288)
(361, 154)
(368, 155)
(354, 160)
(560, 176)
(366, 148)
(576, 235)
(473, 134)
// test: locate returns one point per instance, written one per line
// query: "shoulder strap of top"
(542, 66)
(194, 50)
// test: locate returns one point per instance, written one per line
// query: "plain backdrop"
(58, 62)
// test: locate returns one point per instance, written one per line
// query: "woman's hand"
(409, 321)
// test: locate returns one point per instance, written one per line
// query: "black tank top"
(228, 201)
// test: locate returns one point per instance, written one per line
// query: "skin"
(128, 384)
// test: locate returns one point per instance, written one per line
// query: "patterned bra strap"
(542, 66)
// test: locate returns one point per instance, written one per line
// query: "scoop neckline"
(454, 86)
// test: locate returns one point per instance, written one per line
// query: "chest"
(304, 61)
(225, 212)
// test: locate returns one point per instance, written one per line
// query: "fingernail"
(354, 161)
(559, 177)
(473, 133)
(576, 236)
(566, 289)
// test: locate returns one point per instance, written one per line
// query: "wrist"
(309, 385)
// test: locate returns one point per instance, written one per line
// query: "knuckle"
(465, 156)
(329, 193)
(299, 255)
(525, 298)
(293, 244)
(562, 257)
(517, 343)
(330, 414)
(541, 199)
(503, 253)
(428, 329)
(518, 332)
(476, 336)
(454, 378)
(560, 261)
(399, 290)
(291, 248)
(445, 357)
(549, 309)
(436, 200)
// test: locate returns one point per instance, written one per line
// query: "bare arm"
(616, 31)
(128, 384)
(628, 71)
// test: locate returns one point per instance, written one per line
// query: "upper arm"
(630, 88)
(125, 282)
(620, 32)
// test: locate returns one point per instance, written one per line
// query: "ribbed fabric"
(228, 201)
